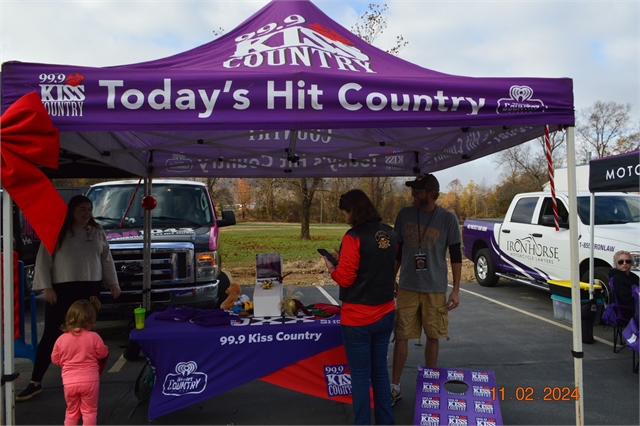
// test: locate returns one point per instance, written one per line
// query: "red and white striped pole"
(547, 140)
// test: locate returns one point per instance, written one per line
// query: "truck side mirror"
(228, 218)
(547, 220)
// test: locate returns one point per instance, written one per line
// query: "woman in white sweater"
(81, 264)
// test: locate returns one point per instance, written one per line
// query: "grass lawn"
(240, 243)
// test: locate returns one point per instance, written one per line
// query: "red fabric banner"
(29, 138)
(310, 375)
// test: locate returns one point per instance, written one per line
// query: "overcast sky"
(594, 43)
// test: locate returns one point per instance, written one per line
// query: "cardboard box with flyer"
(267, 296)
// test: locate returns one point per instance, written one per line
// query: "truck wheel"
(223, 285)
(600, 276)
(484, 269)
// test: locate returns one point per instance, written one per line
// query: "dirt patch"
(314, 273)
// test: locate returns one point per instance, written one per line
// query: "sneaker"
(396, 395)
(31, 391)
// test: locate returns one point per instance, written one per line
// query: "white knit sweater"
(85, 256)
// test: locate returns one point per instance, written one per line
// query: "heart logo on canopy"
(521, 93)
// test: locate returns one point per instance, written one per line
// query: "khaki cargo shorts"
(416, 311)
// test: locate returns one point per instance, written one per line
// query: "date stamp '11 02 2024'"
(528, 393)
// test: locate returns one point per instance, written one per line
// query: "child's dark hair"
(82, 315)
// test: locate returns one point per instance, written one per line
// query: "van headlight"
(206, 266)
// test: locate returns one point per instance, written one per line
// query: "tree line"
(602, 130)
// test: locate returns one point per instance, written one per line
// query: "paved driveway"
(508, 329)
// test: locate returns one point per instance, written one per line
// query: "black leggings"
(54, 317)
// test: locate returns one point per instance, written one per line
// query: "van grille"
(172, 264)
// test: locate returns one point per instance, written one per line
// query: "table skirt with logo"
(193, 363)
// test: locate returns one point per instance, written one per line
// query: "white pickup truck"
(525, 247)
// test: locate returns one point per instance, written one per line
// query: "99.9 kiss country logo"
(62, 95)
(293, 42)
(338, 379)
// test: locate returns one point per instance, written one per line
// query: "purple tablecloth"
(193, 363)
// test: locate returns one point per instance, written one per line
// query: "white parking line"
(557, 324)
(328, 296)
(118, 365)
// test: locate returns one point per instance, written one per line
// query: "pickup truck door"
(551, 255)
(515, 238)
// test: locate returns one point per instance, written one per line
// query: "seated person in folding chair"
(622, 281)
(621, 304)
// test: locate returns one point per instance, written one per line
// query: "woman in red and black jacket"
(365, 273)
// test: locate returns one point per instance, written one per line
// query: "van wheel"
(484, 270)
(223, 285)
(600, 276)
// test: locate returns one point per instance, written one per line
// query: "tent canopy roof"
(288, 93)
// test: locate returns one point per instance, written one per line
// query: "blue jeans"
(366, 348)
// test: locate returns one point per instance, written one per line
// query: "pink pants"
(82, 402)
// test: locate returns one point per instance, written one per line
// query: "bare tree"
(628, 143)
(243, 196)
(451, 200)
(266, 195)
(372, 23)
(528, 162)
(305, 189)
(220, 193)
(368, 27)
(601, 126)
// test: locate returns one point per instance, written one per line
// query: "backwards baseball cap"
(422, 181)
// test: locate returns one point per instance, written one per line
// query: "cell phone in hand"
(328, 255)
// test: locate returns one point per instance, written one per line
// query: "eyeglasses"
(416, 191)
(627, 261)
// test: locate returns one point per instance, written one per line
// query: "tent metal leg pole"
(592, 218)
(146, 251)
(7, 371)
(575, 275)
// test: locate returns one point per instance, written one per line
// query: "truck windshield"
(610, 209)
(178, 206)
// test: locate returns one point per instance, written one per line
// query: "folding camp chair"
(632, 341)
(614, 316)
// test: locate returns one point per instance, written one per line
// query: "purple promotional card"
(456, 397)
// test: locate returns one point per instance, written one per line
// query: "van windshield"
(610, 209)
(178, 206)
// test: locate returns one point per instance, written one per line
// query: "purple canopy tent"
(290, 93)
(287, 93)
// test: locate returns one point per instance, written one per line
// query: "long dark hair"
(360, 206)
(67, 225)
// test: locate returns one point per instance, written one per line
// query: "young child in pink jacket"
(82, 354)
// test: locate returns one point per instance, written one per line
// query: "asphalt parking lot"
(509, 329)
